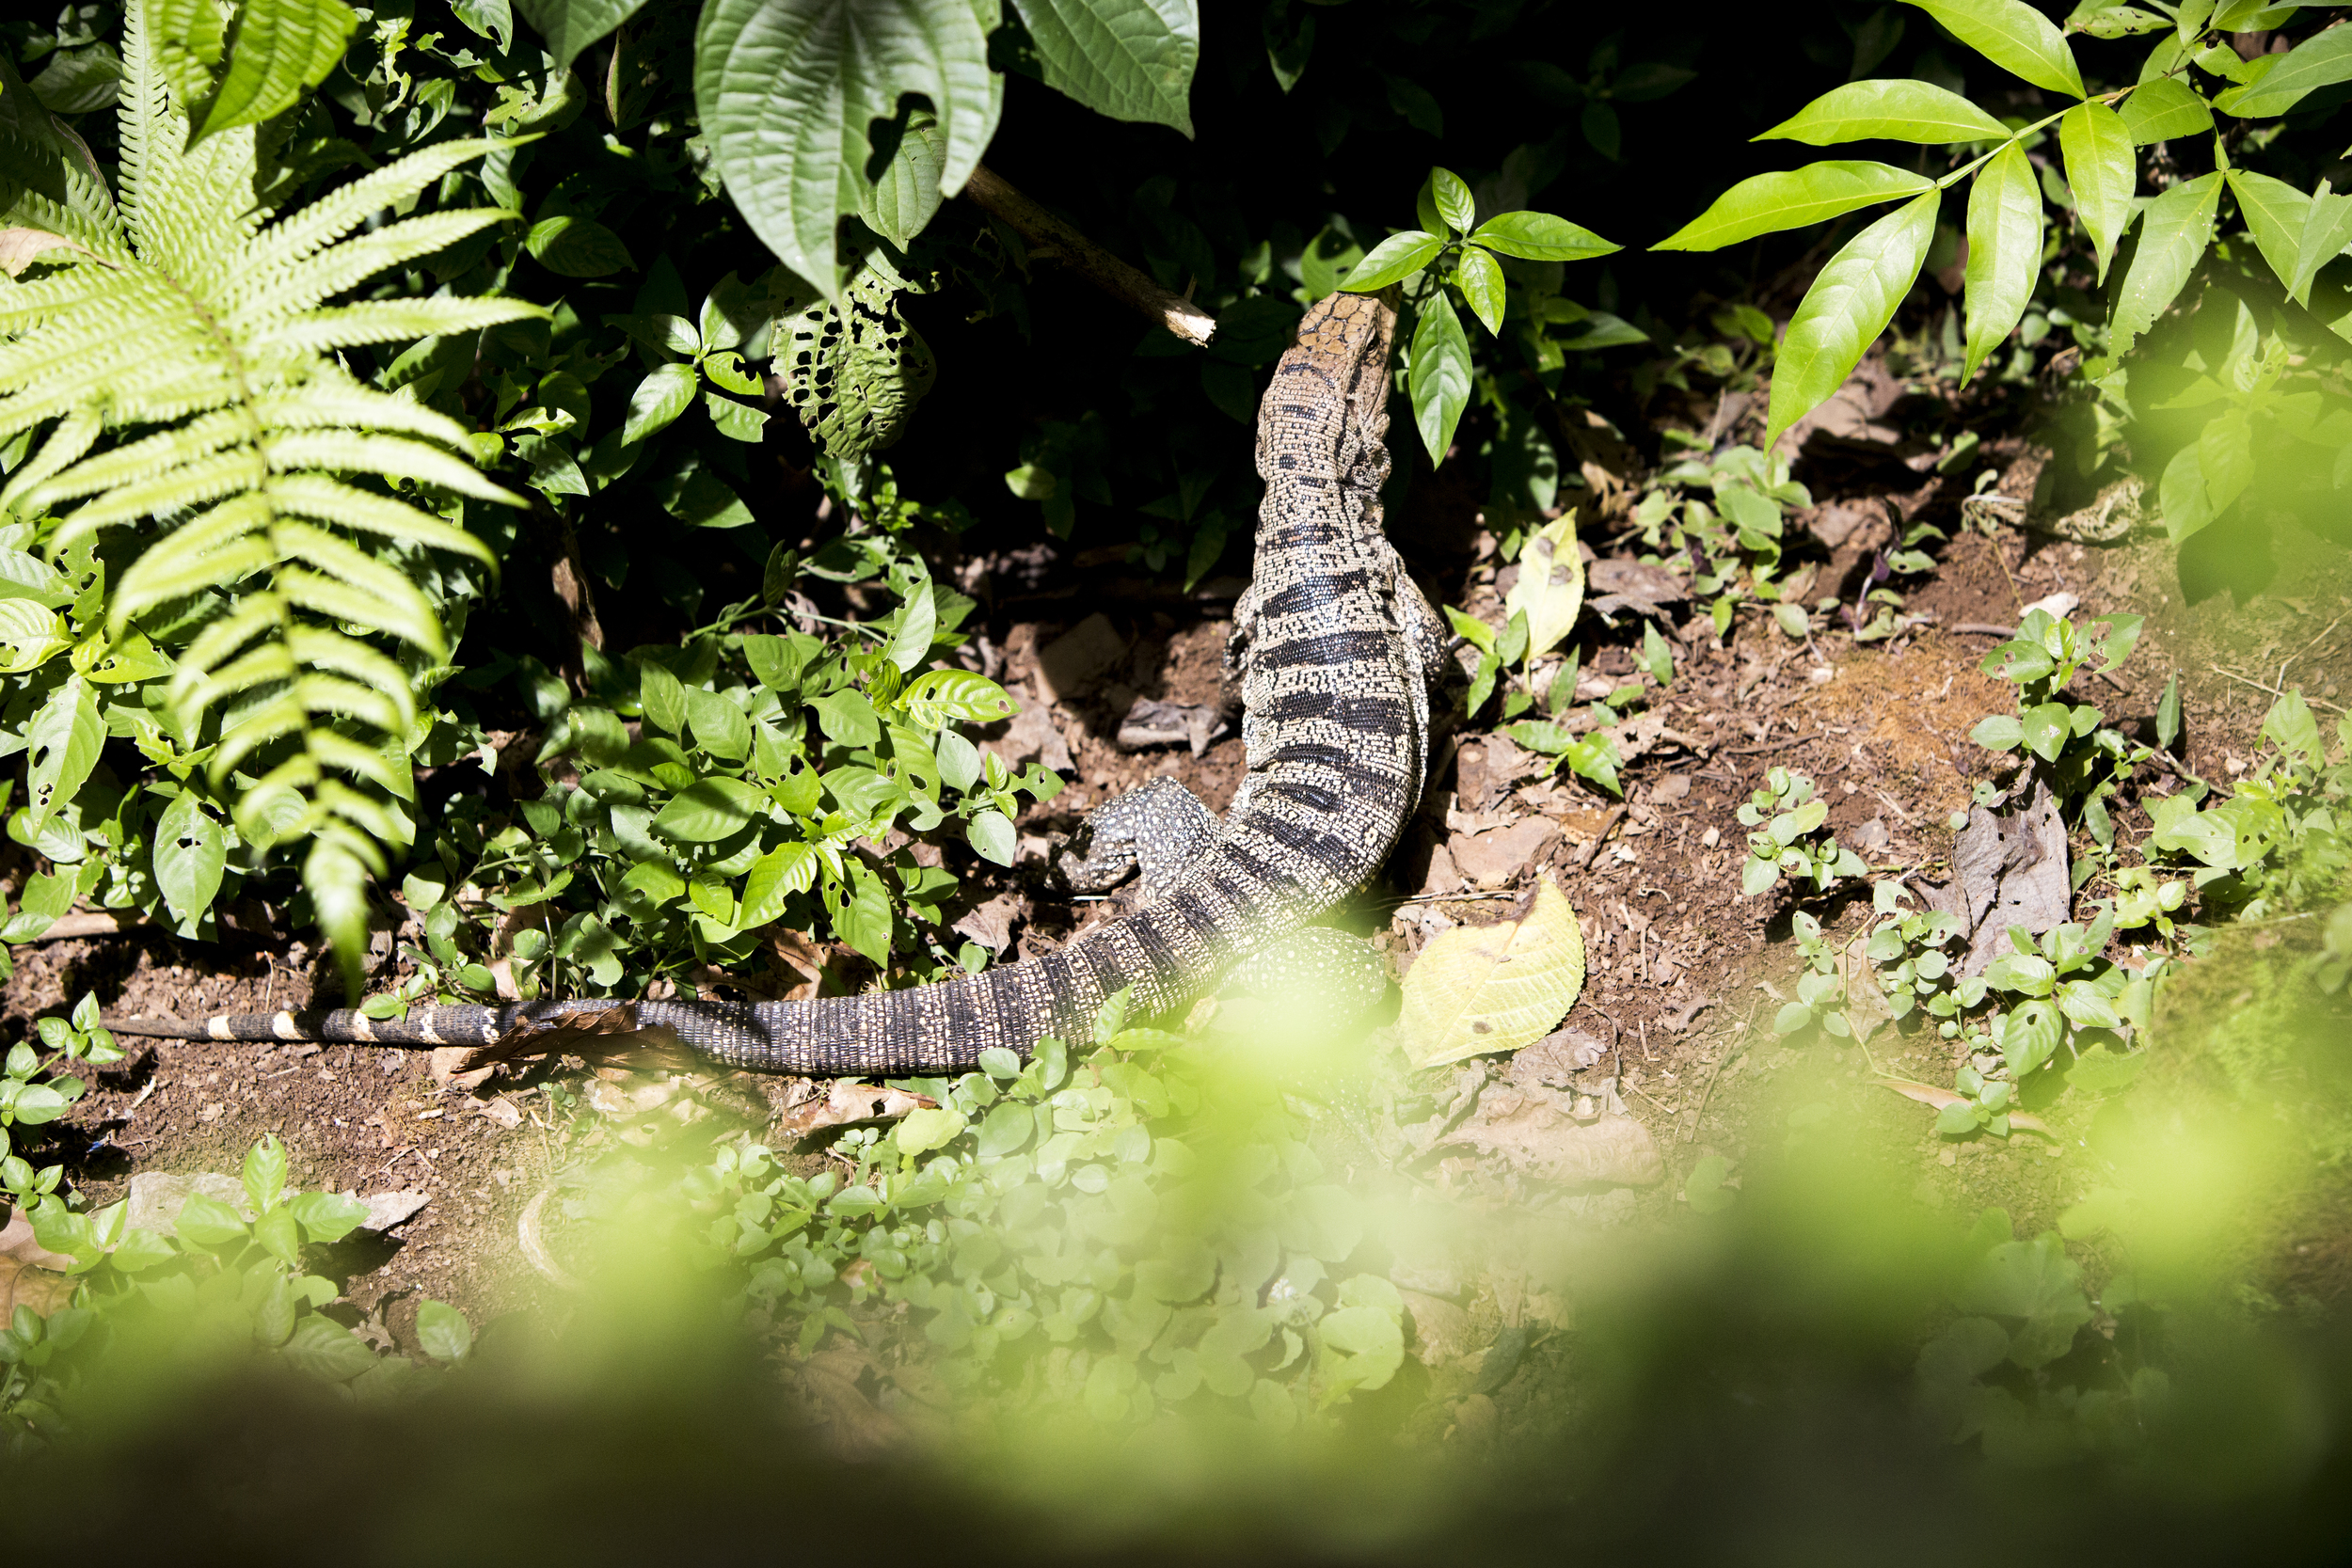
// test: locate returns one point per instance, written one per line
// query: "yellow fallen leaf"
(1477, 989)
(1550, 588)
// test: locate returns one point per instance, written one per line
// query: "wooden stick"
(988, 191)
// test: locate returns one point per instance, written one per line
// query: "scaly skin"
(1336, 651)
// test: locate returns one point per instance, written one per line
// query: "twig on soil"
(2272, 690)
(1583, 861)
(1984, 628)
(1699, 1120)
(1767, 746)
(988, 191)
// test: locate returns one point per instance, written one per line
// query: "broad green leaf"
(1551, 586)
(703, 500)
(906, 194)
(787, 869)
(2114, 22)
(1130, 59)
(1891, 110)
(207, 1222)
(1540, 237)
(2163, 110)
(2013, 35)
(2034, 1281)
(1847, 307)
(991, 832)
(1455, 205)
(1480, 278)
(918, 619)
(571, 25)
(2327, 233)
(61, 745)
(709, 810)
(2275, 213)
(787, 91)
(576, 247)
(2100, 171)
(1792, 200)
(2004, 250)
(658, 400)
(191, 850)
(863, 919)
(720, 727)
(2321, 60)
(327, 1218)
(326, 1350)
(926, 1127)
(1397, 257)
(2292, 725)
(1440, 375)
(276, 49)
(265, 1173)
(2174, 233)
(1477, 989)
(940, 695)
(442, 1331)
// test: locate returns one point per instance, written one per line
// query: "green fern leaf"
(180, 366)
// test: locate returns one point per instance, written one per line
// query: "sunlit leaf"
(2004, 250)
(1897, 109)
(1846, 308)
(2013, 35)
(2100, 171)
(1767, 203)
(1477, 989)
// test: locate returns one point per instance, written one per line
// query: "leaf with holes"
(854, 370)
(2174, 230)
(62, 744)
(939, 696)
(191, 851)
(1477, 989)
(1551, 586)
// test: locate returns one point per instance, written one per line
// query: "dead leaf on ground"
(1150, 722)
(2009, 868)
(1476, 990)
(1536, 1131)
(1556, 1058)
(990, 924)
(1492, 859)
(842, 1101)
(31, 1276)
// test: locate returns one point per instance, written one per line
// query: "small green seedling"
(1789, 840)
(2084, 759)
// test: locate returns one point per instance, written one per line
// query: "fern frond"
(186, 366)
(408, 616)
(74, 434)
(26, 306)
(388, 455)
(310, 496)
(147, 459)
(302, 234)
(390, 321)
(339, 402)
(258, 298)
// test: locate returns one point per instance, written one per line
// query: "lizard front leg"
(1160, 831)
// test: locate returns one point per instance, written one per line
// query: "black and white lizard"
(1337, 653)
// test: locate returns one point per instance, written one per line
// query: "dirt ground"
(1681, 967)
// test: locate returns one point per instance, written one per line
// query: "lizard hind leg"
(1332, 973)
(1160, 831)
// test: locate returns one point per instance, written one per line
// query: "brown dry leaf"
(2009, 868)
(856, 1426)
(1535, 1134)
(845, 1101)
(21, 247)
(1481, 989)
(31, 1276)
